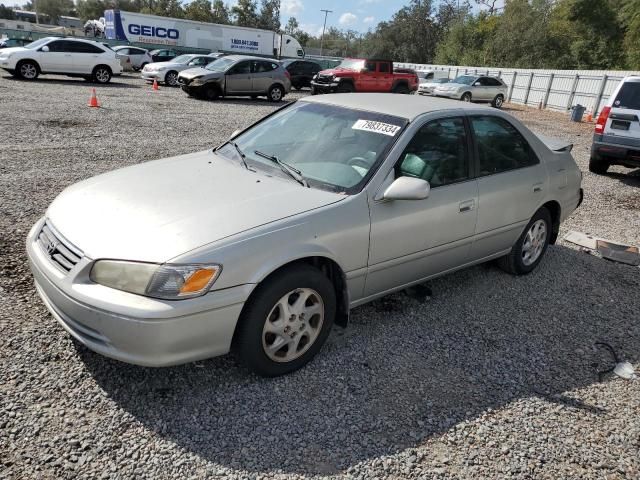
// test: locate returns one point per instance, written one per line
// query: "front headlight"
(169, 282)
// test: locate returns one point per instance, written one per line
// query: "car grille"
(61, 253)
(324, 79)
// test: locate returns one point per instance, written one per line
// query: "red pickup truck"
(359, 75)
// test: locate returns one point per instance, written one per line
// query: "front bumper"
(324, 87)
(442, 94)
(616, 150)
(151, 76)
(132, 328)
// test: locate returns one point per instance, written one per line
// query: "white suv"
(616, 140)
(66, 56)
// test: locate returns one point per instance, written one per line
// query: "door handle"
(537, 188)
(467, 206)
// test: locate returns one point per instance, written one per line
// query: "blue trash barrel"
(577, 112)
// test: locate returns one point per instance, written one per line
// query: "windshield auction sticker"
(377, 127)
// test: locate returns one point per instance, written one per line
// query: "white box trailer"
(175, 32)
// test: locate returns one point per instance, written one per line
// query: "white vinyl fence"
(554, 89)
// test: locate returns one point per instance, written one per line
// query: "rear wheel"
(171, 78)
(28, 70)
(498, 101)
(529, 249)
(286, 321)
(401, 89)
(101, 74)
(599, 166)
(276, 93)
(466, 97)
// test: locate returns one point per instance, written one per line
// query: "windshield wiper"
(286, 168)
(240, 153)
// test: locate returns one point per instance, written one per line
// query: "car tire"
(171, 78)
(28, 70)
(101, 74)
(498, 101)
(271, 318)
(466, 97)
(211, 93)
(276, 93)
(530, 247)
(598, 166)
(401, 89)
(314, 91)
(345, 87)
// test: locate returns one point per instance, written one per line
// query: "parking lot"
(493, 376)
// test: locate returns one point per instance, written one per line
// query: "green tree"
(54, 9)
(630, 20)
(269, 18)
(90, 9)
(199, 10)
(6, 12)
(220, 13)
(245, 14)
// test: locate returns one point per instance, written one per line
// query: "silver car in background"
(426, 87)
(262, 244)
(474, 88)
(237, 75)
(167, 72)
(132, 58)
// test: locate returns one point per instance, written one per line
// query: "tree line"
(552, 34)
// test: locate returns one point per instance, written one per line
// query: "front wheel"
(171, 79)
(276, 93)
(529, 249)
(498, 101)
(345, 87)
(28, 70)
(286, 321)
(101, 74)
(466, 97)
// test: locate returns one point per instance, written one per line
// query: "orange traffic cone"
(589, 117)
(155, 84)
(93, 101)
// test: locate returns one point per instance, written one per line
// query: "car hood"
(199, 72)
(337, 71)
(7, 51)
(156, 211)
(169, 64)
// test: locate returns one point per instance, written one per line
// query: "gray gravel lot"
(492, 377)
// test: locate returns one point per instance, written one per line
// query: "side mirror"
(407, 188)
(44, 49)
(477, 84)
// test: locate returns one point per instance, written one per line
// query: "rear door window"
(501, 147)
(628, 96)
(383, 67)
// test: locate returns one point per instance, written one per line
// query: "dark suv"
(301, 71)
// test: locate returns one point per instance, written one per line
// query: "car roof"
(403, 106)
(248, 57)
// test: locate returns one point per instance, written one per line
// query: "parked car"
(163, 55)
(263, 243)
(474, 88)
(67, 56)
(167, 72)
(237, 75)
(427, 87)
(14, 42)
(616, 140)
(425, 76)
(359, 75)
(301, 72)
(137, 57)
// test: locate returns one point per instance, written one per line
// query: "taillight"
(602, 119)
(287, 74)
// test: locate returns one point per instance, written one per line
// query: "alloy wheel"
(293, 325)
(276, 94)
(172, 79)
(534, 242)
(28, 71)
(102, 75)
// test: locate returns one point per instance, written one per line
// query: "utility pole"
(326, 12)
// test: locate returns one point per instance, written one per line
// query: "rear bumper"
(616, 150)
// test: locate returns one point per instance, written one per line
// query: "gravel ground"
(492, 376)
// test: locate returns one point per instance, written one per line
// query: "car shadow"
(401, 373)
(629, 177)
(43, 80)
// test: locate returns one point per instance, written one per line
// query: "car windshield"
(37, 44)
(221, 64)
(629, 96)
(183, 59)
(352, 64)
(464, 79)
(333, 148)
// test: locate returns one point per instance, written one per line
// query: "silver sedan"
(474, 88)
(262, 244)
(167, 72)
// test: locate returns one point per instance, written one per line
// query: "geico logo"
(150, 31)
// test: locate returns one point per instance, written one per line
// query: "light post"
(326, 12)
